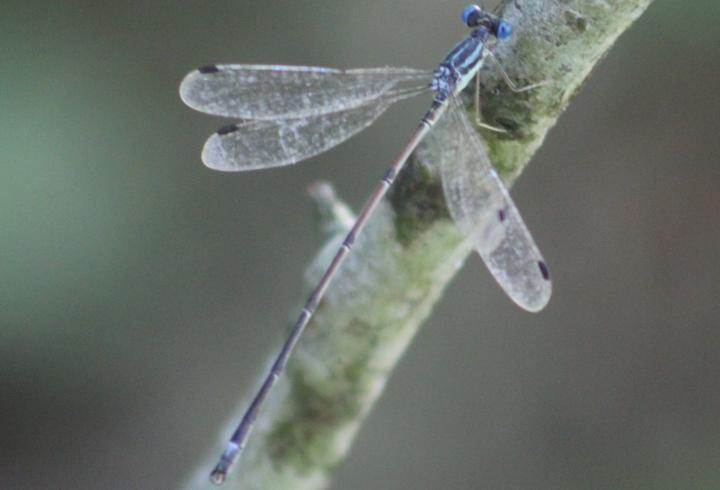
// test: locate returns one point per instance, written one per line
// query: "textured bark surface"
(410, 251)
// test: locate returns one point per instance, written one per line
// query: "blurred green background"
(141, 293)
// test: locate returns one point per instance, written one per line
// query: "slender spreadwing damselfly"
(291, 113)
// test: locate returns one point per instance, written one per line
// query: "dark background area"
(141, 293)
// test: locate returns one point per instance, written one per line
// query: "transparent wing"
(282, 92)
(264, 144)
(483, 209)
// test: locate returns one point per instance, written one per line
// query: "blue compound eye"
(504, 30)
(470, 14)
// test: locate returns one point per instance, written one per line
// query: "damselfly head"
(473, 16)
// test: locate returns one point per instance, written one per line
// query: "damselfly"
(290, 113)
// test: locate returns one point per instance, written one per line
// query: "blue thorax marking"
(460, 65)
